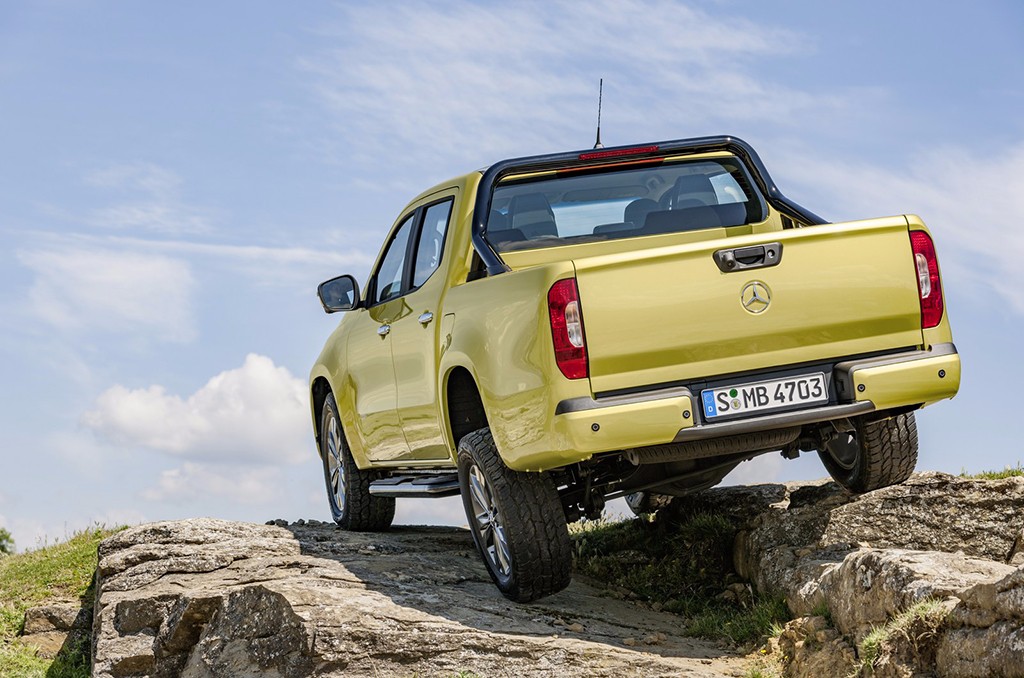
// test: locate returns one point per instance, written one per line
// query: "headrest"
(529, 209)
(693, 187)
(638, 210)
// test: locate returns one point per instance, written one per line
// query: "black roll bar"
(493, 263)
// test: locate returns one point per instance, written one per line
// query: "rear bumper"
(911, 378)
(591, 426)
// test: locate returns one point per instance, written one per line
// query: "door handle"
(384, 330)
(425, 318)
(745, 258)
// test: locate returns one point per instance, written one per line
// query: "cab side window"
(431, 241)
(388, 281)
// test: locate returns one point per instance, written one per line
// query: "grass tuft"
(739, 624)
(914, 625)
(822, 610)
(1007, 472)
(61, 571)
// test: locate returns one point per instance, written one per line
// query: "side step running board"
(416, 486)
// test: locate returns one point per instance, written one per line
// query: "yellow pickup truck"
(559, 330)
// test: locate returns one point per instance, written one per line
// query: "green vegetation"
(1008, 472)
(682, 562)
(822, 610)
(764, 669)
(915, 625)
(6, 542)
(59, 572)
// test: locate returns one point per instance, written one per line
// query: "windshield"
(625, 203)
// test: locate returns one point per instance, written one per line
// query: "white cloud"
(141, 176)
(159, 217)
(239, 484)
(159, 208)
(268, 264)
(470, 81)
(111, 291)
(257, 413)
(970, 201)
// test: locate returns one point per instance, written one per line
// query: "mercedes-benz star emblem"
(755, 297)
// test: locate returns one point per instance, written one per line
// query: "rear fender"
(501, 333)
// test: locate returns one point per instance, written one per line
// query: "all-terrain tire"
(353, 508)
(522, 508)
(879, 454)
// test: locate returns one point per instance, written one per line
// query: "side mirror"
(339, 294)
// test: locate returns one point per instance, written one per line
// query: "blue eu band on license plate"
(765, 396)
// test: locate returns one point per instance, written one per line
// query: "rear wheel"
(348, 487)
(875, 455)
(517, 522)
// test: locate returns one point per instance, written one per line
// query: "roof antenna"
(600, 91)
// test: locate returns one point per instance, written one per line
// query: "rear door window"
(431, 241)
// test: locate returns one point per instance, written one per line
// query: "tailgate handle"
(746, 258)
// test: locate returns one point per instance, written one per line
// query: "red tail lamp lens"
(567, 329)
(928, 283)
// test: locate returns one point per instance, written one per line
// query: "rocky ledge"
(920, 579)
(210, 598)
(924, 578)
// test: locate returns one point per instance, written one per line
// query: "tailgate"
(670, 314)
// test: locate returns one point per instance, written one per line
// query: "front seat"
(532, 216)
(637, 211)
(690, 190)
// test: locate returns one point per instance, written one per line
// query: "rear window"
(667, 198)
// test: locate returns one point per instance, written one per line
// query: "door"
(415, 338)
(370, 367)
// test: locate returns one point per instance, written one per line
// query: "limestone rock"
(48, 627)
(996, 651)
(810, 648)
(935, 512)
(867, 558)
(870, 586)
(206, 598)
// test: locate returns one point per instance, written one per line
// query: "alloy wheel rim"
(488, 523)
(335, 467)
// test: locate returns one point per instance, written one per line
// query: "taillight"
(927, 268)
(567, 329)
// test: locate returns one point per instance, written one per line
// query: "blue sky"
(178, 177)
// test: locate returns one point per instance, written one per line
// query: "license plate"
(764, 396)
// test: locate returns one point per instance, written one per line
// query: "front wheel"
(517, 522)
(348, 487)
(876, 454)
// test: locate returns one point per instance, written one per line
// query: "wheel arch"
(319, 389)
(464, 408)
